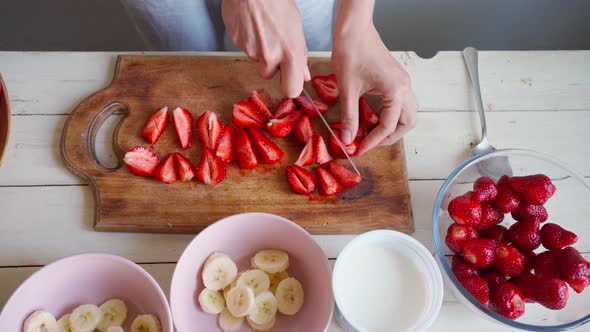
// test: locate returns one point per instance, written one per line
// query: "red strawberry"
(574, 269)
(465, 210)
(351, 149)
(184, 168)
(529, 260)
(328, 183)
(552, 293)
(225, 149)
(462, 269)
(300, 180)
(320, 150)
(546, 264)
(490, 216)
(337, 126)
(506, 200)
(527, 211)
(244, 150)
(507, 300)
(268, 151)
(367, 117)
(211, 170)
(478, 287)
(535, 189)
(307, 107)
(326, 86)
(479, 252)
(141, 161)
(346, 178)
(262, 100)
(245, 115)
(285, 107)
(485, 189)
(493, 277)
(525, 282)
(303, 129)
(525, 235)
(283, 127)
(183, 125)
(497, 233)
(457, 235)
(155, 125)
(306, 156)
(166, 170)
(554, 236)
(508, 260)
(210, 129)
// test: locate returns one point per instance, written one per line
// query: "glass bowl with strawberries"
(515, 249)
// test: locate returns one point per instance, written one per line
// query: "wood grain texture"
(4, 119)
(125, 202)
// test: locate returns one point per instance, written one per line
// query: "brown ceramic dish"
(4, 119)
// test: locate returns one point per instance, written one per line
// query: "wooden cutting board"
(125, 202)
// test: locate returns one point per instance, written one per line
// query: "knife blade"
(340, 144)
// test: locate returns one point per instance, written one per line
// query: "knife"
(340, 144)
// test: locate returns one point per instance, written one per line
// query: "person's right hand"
(271, 33)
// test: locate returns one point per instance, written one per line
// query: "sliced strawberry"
(283, 127)
(303, 129)
(300, 180)
(326, 86)
(307, 107)
(211, 170)
(210, 129)
(244, 150)
(166, 170)
(225, 149)
(306, 156)
(367, 117)
(245, 115)
(285, 107)
(344, 176)
(183, 124)
(268, 151)
(352, 148)
(184, 168)
(320, 150)
(328, 183)
(141, 161)
(155, 125)
(262, 100)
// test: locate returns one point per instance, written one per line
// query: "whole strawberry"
(457, 235)
(508, 260)
(574, 269)
(547, 264)
(506, 200)
(497, 233)
(534, 189)
(507, 300)
(551, 293)
(527, 211)
(525, 235)
(554, 236)
(526, 283)
(463, 269)
(492, 276)
(490, 216)
(529, 260)
(465, 209)
(479, 252)
(477, 287)
(484, 189)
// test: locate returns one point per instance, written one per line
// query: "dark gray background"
(424, 26)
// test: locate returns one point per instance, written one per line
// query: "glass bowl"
(569, 207)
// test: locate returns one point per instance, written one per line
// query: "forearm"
(353, 15)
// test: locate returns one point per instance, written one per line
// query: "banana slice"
(219, 271)
(265, 308)
(262, 327)
(40, 321)
(240, 300)
(114, 313)
(85, 318)
(229, 322)
(63, 324)
(232, 285)
(255, 279)
(115, 329)
(271, 261)
(289, 296)
(212, 302)
(275, 278)
(146, 323)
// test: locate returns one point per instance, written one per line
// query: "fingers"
(267, 70)
(407, 121)
(349, 103)
(390, 116)
(292, 76)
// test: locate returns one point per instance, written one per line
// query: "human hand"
(271, 33)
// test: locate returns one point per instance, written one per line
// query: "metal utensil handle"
(470, 56)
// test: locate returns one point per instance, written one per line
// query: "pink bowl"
(241, 236)
(89, 278)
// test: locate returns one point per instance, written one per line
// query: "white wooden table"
(536, 100)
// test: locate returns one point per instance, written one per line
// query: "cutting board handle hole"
(103, 147)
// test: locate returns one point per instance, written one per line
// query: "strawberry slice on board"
(307, 107)
(283, 127)
(285, 107)
(166, 170)
(155, 125)
(185, 169)
(343, 175)
(141, 161)
(306, 156)
(303, 129)
(367, 117)
(262, 100)
(320, 150)
(328, 183)
(209, 129)
(268, 151)
(211, 170)
(301, 181)
(225, 149)
(245, 115)
(244, 150)
(326, 87)
(352, 148)
(183, 124)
